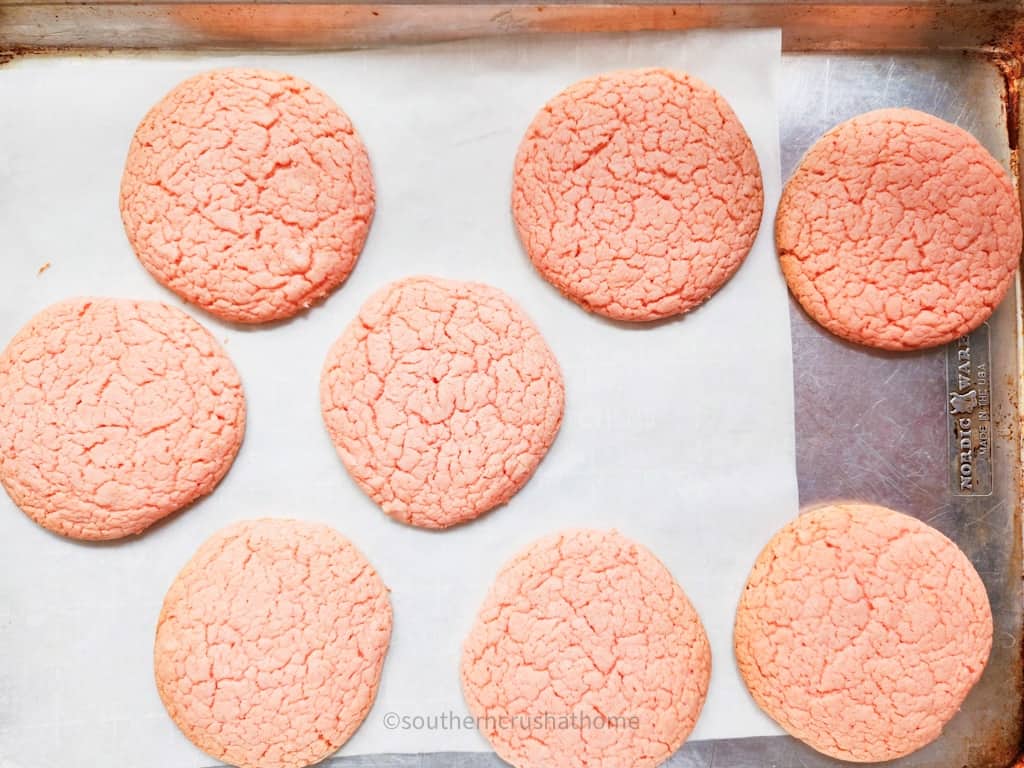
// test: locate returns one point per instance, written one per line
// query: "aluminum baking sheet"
(661, 420)
(869, 425)
(882, 427)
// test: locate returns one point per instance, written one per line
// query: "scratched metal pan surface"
(891, 428)
(934, 433)
(888, 428)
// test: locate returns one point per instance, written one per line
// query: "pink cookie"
(586, 653)
(861, 631)
(898, 230)
(637, 194)
(270, 643)
(247, 193)
(114, 414)
(441, 398)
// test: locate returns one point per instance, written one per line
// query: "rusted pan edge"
(1011, 64)
(34, 26)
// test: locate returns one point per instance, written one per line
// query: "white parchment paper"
(680, 434)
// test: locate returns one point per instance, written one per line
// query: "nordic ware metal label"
(968, 377)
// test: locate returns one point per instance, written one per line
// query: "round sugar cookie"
(441, 398)
(637, 194)
(861, 631)
(247, 193)
(586, 652)
(899, 230)
(270, 643)
(113, 414)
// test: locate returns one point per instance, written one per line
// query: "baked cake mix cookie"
(113, 414)
(441, 398)
(861, 631)
(270, 643)
(247, 193)
(899, 230)
(586, 652)
(637, 194)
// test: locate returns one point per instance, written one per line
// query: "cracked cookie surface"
(861, 630)
(899, 230)
(270, 643)
(113, 414)
(248, 193)
(637, 193)
(441, 398)
(586, 623)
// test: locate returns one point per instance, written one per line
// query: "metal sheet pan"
(869, 425)
(603, 471)
(878, 426)
(806, 24)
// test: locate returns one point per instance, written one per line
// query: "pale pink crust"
(899, 230)
(113, 414)
(441, 398)
(270, 643)
(247, 193)
(861, 630)
(589, 624)
(637, 194)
